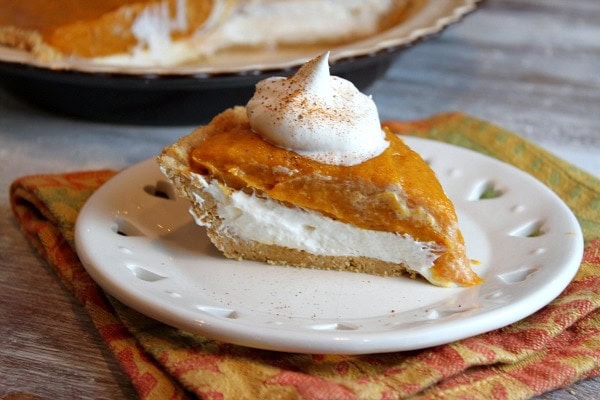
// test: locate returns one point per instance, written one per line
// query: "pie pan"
(191, 94)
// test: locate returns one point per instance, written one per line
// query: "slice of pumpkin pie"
(305, 176)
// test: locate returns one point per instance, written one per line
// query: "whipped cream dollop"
(319, 116)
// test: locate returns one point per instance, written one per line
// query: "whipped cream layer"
(153, 30)
(268, 23)
(266, 221)
(319, 116)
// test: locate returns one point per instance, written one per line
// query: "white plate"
(527, 240)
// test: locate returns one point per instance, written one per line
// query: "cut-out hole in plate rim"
(311, 311)
(124, 227)
(529, 229)
(486, 190)
(161, 189)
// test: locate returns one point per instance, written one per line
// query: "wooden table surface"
(532, 66)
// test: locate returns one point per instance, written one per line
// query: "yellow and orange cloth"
(555, 347)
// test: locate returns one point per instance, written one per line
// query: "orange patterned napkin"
(555, 347)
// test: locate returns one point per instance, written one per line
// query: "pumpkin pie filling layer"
(393, 192)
